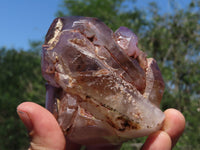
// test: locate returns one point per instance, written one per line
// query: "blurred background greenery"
(173, 39)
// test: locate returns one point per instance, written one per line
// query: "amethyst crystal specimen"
(101, 87)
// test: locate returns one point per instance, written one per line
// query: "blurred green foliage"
(20, 80)
(171, 38)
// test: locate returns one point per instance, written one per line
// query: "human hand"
(168, 135)
(46, 134)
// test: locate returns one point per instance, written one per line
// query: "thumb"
(43, 128)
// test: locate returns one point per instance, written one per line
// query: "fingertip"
(174, 121)
(174, 124)
(25, 119)
(45, 131)
(159, 140)
(23, 110)
(174, 113)
(23, 106)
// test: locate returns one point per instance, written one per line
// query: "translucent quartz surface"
(100, 85)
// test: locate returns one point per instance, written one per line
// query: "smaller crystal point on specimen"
(100, 86)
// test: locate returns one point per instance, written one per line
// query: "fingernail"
(25, 119)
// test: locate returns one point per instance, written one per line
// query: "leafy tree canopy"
(171, 38)
(20, 80)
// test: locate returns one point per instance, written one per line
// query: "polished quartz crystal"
(100, 86)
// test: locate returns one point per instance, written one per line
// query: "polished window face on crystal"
(100, 86)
